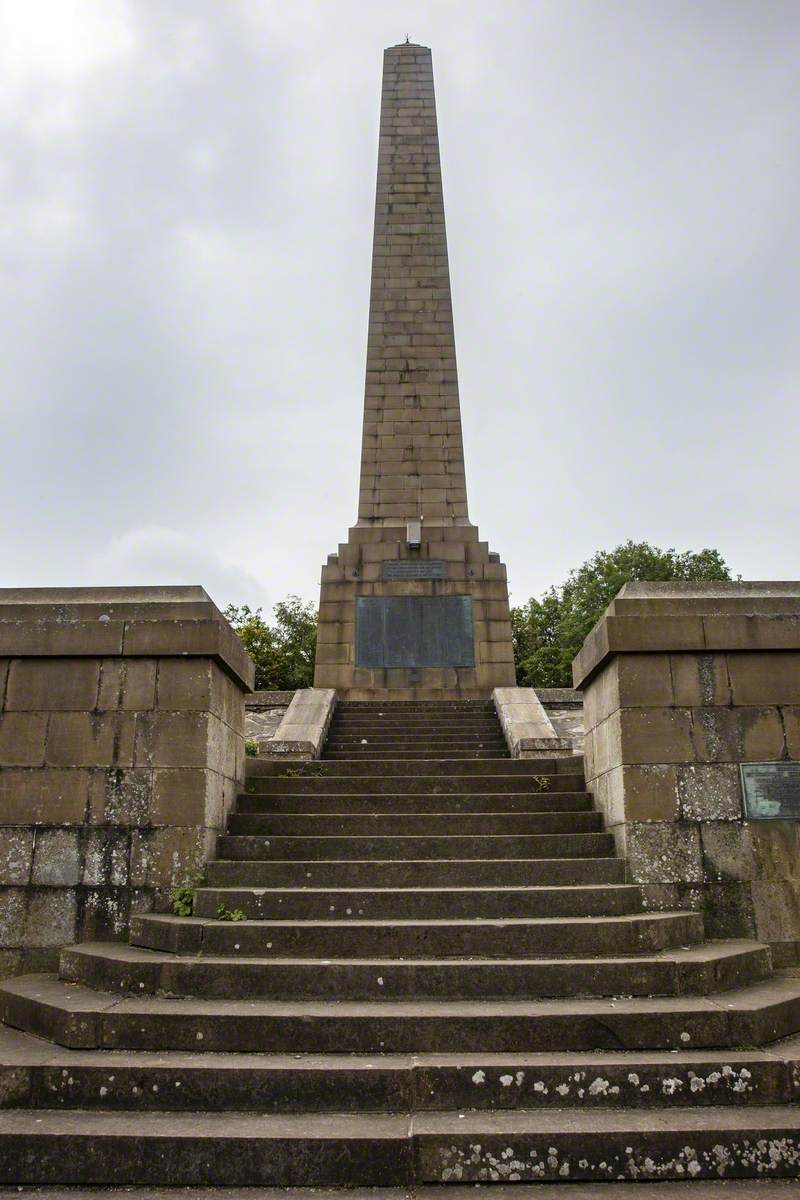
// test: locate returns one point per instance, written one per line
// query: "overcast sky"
(186, 194)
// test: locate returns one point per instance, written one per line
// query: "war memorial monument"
(435, 932)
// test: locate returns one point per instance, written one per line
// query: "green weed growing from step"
(230, 914)
(183, 895)
(541, 783)
(251, 747)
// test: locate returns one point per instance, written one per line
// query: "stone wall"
(121, 751)
(564, 707)
(681, 684)
(264, 712)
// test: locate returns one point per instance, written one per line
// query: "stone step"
(410, 873)
(423, 725)
(419, 903)
(251, 824)
(201, 1149)
(402, 802)
(532, 1146)
(524, 937)
(531, 845)
(37, 1074)
(425, 706)
(354, 753)
(443, 768)
(83, 1018)
(114, 967)
(433, 744)
(375, 784)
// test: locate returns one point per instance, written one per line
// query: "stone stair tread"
(437, 922)
(79, 999)
(610, 1120)
(91, 1123)
(704, 952)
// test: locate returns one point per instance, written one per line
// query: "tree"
(548, 633)
(284, 651)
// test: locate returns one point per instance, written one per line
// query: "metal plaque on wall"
(414, 631)
(771, 791)
(407, 568)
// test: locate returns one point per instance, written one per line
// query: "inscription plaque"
(406, 568)
(414, 631)
(771, 791)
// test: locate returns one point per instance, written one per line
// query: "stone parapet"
(529, 733)
(304, 726)
(121, 751)
(682, 683)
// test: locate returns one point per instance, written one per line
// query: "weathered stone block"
(654, 735)
(121, 796)
(727, 851)
(86, 739)
(50, 684)
(43, 797)
(56, 858)
(737, 735)
(16, 855)
(181, 796)
(13, 909)
(766, 678)
(184, 684)
(710, 792)
(128, 684)
(22, 737)
(172, 739)
(50, 918)
(700, 679)
(664, 852)
(166, 856)
(648, 793)
(106, 857)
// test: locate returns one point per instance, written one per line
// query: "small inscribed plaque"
(771, 791)
(420, 568)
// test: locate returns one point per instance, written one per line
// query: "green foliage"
(229, 914)
(548, 633)
(283, 651)
(251, 747)
(183, 896)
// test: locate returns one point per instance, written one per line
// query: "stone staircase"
(443, 976)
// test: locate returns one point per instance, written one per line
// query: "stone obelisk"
(413, 605)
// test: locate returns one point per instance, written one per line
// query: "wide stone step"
(79, 1017)
(255, 1149)
(442, 767)
(559, 872)
(36, 1074)
(698, 971)
(433, 744)
(564, 937)
(418, 824)
(424, 706)
(419, 903)
(533, 1146)
(376, 784)
(394, 802)
(374, 755)
(530, 845)
(423, 724)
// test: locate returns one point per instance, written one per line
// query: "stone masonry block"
(16, 855)
(22, 737)
(767, 678)
(128, 684)
(700, 679)
(87, 739)
(106, 858)
(728, 852)
(776, 906)
(56, 858)
(655, 735)
(172, 739)
(165, 857)
(47, 684)
(667, 852)
(51, 917)
(121, 796)
(776, 846)
(709, 792)
(13, 910)
(737, 735)
(649, 792)
(38, 797)
(644, 681)
(182, 796)
(184, 684)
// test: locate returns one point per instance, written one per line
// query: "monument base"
(424, 620)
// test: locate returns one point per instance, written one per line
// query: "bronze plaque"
(407, 568)
(414, 631)
(771, 791)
